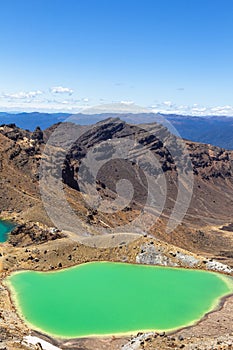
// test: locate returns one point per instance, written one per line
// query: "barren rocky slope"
(212, 194)
(204, 234)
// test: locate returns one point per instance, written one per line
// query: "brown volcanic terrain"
(205, 232)
(212, 198)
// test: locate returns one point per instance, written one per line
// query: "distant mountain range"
(213, 130)
(31, 120)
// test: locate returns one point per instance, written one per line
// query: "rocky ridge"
(203, 240)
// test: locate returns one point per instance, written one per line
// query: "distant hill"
(214, 130)
(31, 120)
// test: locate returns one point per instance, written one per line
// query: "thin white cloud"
(168, 103)
(199, 109)
(222, 108)
(115, 107)
(39, 100)
(22, 95)
(42, 104)
(192, 110)
(61, 90)
(127, 103)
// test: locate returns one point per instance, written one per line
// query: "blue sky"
(166, 55)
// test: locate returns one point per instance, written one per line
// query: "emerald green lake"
(5, 228)
(104, 298)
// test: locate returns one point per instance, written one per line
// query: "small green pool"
(104, 298)
(5, 229)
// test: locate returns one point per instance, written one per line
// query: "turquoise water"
(104, 298)
(5, 228)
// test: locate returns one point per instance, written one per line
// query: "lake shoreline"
(218, 305)
(57, 340)
(6, 226)
(15, 271)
